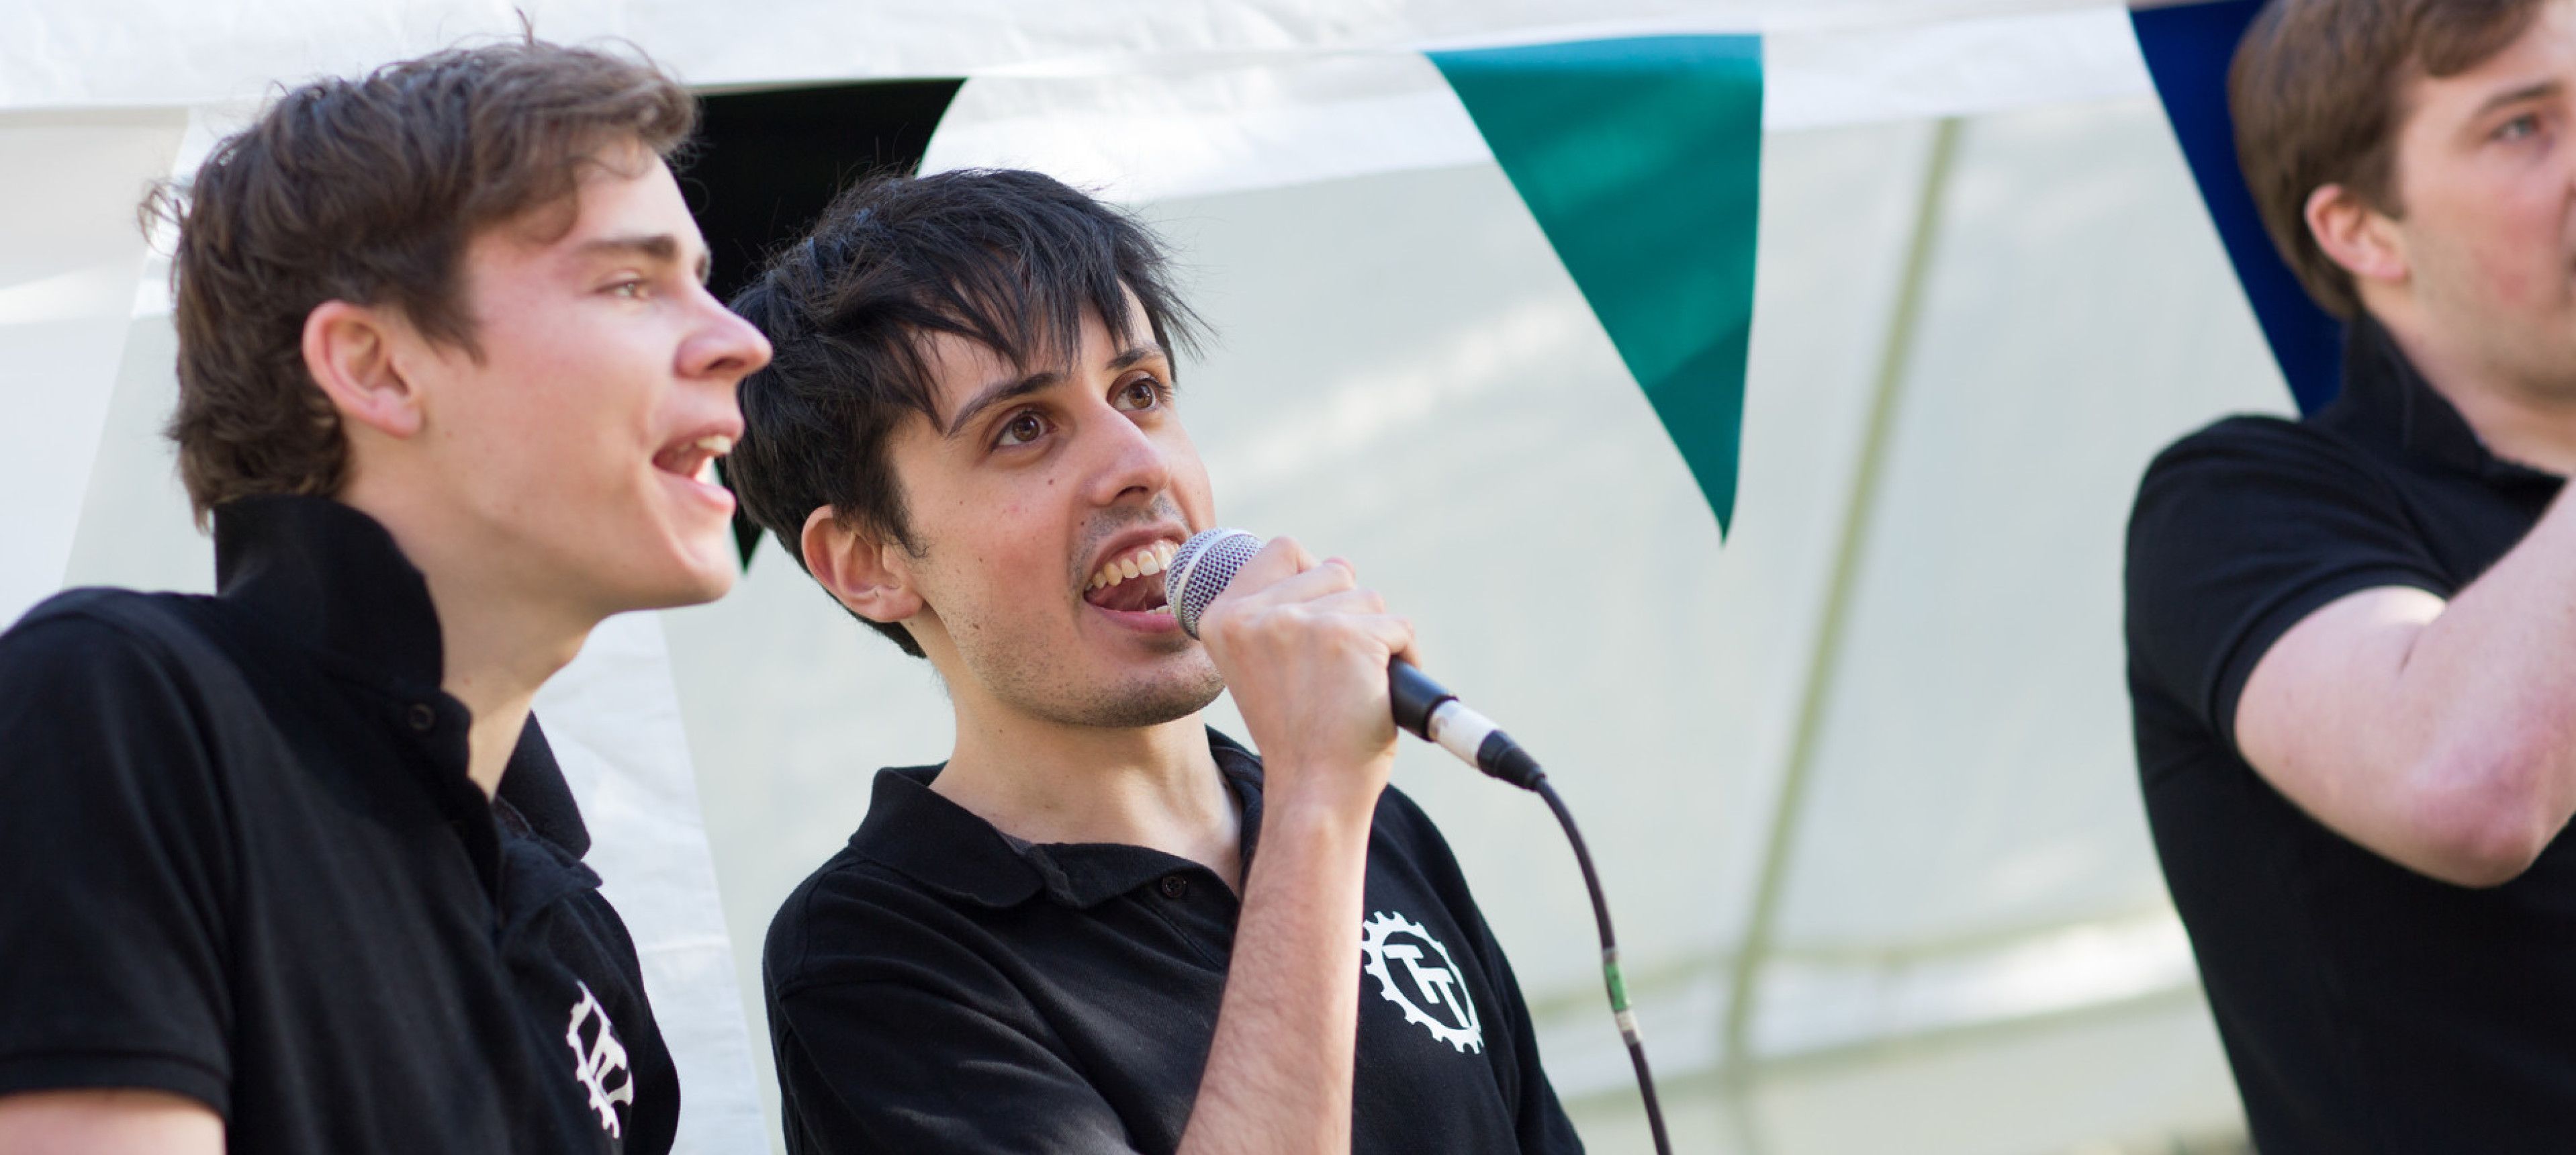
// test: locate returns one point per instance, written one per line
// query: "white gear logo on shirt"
(600, 1059)
(1434, 993)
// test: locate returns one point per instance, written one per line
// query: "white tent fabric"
(1950, 935)
(73, 54)
(69, 261)
(1202, 125)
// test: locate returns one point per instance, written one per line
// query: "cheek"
(2518, 249)
(2511, 271)
(2484, 265)
(580, 396)
(539, 435)
(2510, 290)
(1191, 489)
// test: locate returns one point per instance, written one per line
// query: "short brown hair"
(2317, 90)
(367, 191)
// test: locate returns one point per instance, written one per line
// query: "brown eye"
(1139, 393)
(1021, 429)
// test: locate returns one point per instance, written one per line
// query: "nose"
(1131, 464)
(724, 347)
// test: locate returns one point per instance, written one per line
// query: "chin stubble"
(1134, 704)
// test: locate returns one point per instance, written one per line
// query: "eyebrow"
(1137, 355)
(2526, 92)
(662, 247)
(1005, 390)
(996, 393)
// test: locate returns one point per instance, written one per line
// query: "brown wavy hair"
(367, 190)
(2318, 93)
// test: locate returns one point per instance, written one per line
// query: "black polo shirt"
(940, 986)
(245, 865)
(2365, 1007)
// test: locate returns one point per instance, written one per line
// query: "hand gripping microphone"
(1210, 559)
(1200, 571)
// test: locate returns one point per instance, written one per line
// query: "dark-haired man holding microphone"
(1098, 926)
(2352, 652)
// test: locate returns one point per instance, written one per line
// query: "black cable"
(1619, 1011)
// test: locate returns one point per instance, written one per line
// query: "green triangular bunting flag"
(1642, 161)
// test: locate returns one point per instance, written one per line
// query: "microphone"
(1210, 559)
(1200, 571)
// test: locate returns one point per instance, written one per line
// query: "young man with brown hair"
(291, 869)
(2352, 654)
(1099, 926)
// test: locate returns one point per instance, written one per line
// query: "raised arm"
(1304, 651)
(2439, 734)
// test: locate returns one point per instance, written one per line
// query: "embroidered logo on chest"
(599, 1061)
(1414, 971)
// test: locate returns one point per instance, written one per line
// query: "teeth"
(705, 449)
(1149, 560)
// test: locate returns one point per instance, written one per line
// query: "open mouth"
(1132, 583)
(695, 458)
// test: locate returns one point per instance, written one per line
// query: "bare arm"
(2440, 735)
(108, 1122)
(1305, 652)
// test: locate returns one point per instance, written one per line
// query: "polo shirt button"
(1175, 886)
(421, 717)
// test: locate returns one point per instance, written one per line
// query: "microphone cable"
(1610, 976)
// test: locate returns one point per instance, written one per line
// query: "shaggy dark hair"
(2318, 94)
(367, 191)
(1010, 260)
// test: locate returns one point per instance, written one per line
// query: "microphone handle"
(1415, 696)
(1427, 710)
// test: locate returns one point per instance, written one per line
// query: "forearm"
(118, 1121)
(1278, 1075)
(2487, 691)
(2440, 734)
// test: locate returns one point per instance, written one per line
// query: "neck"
(497, 656)
(1155, 786)
(2516, 422)
(499, 643)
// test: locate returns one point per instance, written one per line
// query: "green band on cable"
(1618, 985)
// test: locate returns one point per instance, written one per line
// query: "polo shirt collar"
(330, 580)
(949, 850)
(533, 785)
(2387, 402)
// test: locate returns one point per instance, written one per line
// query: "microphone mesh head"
(1200, 571)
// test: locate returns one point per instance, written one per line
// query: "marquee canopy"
(1778, 372)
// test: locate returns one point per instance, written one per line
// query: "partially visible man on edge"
(1100, 926)
(2352, 645)
(290, 867)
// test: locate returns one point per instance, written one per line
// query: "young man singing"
(2352, 649)
(290, 868)
(1098, 926)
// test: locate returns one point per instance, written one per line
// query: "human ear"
(349, 352)
(856, 568)
(2356, 236)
